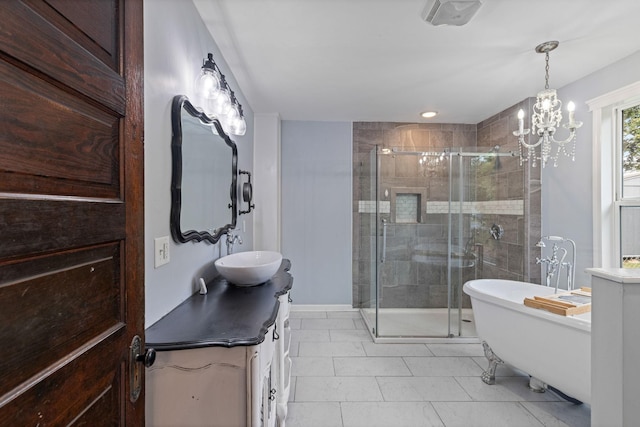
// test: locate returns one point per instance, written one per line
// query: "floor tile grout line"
(462, 388)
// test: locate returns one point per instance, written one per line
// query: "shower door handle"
(384, 241)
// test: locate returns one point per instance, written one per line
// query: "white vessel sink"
(249, 268)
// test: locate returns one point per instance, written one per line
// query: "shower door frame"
(380, 256)
(377, 254)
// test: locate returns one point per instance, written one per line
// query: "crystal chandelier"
(431, 159)
(545, 120)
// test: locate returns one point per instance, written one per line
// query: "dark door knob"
(148, 358)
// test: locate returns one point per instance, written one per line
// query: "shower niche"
(407, 205)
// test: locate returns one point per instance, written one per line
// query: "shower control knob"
(496, 231)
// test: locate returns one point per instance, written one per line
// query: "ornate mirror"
(204, 175)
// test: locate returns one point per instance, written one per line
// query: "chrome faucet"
(231, 239)
(552, 265)
(555, 264)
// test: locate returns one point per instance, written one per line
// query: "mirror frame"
(180, 102)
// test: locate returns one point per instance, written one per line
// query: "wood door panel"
(93, 23)
(101, 411)
(30, 38)
(36, 226)
(62, 310)
(51, 134)
(18, 270)
(59, 396)
(71, 211)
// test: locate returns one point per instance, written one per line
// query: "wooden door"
(71, 211)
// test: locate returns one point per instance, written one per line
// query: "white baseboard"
(322, 307)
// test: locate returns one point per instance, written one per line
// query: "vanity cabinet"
(282, 359)
(223, 358)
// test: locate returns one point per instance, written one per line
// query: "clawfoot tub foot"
(489, 376)
(536, 385)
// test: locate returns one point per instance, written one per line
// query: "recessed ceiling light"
(429, 114)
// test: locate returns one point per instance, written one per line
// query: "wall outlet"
(161, 249)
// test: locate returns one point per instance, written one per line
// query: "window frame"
(620, 201)
(607, 181)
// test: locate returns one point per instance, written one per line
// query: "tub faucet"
(552, 265)
(231, 239)
(569, 268)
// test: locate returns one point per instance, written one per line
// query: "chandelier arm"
(564, 141)
(537, 144)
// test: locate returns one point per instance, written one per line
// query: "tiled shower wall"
(515, 254)
(502, 196)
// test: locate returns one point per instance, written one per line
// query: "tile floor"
(340, 378)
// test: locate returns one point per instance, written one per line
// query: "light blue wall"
(316, 209)
(567, 193)
(175, 42)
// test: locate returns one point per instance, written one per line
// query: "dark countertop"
(226, 316)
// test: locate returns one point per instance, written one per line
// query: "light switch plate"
(161, 249)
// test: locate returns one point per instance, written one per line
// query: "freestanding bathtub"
(552, 348)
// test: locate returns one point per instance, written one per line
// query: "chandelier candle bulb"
(571, 107)
(521, 121)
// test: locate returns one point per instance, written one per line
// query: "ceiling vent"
(451, 12)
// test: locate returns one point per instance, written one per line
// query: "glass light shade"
(226, 126)
(239, 126)
(233, 114)
(222, 103)
(208, 84)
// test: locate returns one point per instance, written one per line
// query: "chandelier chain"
(546, 70)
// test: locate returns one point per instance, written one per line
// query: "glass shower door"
(464, 261)
(412, 245)
(369, 227)
(428, 223)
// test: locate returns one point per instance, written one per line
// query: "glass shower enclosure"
(439, 219)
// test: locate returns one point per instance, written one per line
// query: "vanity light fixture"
(219, 99)
(208, 81)
(428, 114)
(545, 120)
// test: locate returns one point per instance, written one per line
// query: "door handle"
(384, 241)
(138, 359)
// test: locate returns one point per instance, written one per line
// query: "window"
(616, 153)
(627, 203)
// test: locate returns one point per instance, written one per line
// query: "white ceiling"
(377, 60)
